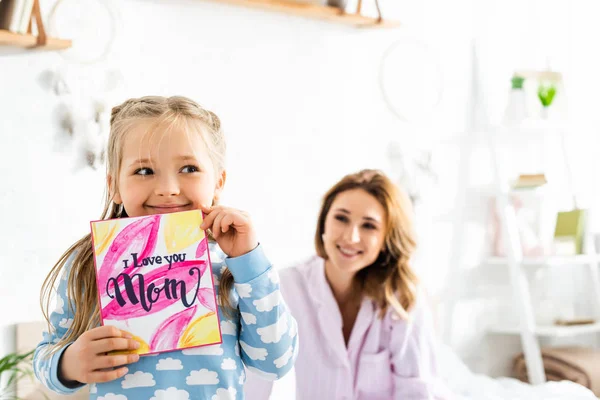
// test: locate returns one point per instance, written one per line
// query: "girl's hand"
(87, 361)
(231, 228)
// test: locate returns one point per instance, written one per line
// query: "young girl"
(371, 335)
(167, 155)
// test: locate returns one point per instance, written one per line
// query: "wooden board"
(314, 11)
(29, 41)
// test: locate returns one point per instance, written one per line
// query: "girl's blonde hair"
(82, 297)
(390, 280)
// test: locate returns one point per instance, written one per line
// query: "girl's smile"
(169, 207)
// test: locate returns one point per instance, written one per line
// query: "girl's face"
(165, 173)
(355, 229)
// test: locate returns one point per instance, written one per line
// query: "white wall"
(299, 100)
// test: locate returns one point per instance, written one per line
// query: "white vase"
(516, 108)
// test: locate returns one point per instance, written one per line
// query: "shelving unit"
(326, 13)
(11, 42)
(481, 136)
(527, 328)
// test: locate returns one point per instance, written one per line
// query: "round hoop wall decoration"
(90, 24)
(411, 79)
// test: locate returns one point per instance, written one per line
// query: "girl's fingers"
(220, 219)
(217, 224)
(113, 361)
(106, 331)
(110, 344)
(241, 222)
(106, 376)
(236, 219)
(226, 222)
(205, 209)
(207, 223)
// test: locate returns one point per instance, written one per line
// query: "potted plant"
(546, 93)
(516, 109)
(13, 367)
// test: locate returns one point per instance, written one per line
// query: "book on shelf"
(15, 15)
(575, 321)
(569, 232)
(529, 181)
(155, 280)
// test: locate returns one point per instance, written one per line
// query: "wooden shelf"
(28, 41)
(540, 75)
(551, 330)
(313, 11)
(581, 259)
(11, 42)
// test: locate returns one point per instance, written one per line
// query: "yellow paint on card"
(104, 233)
(143, 349)
(182, 229)
(201, 331)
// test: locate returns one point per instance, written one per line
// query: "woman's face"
(355, 228)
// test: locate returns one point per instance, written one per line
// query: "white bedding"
(469, 386)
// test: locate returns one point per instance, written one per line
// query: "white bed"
(469, 386)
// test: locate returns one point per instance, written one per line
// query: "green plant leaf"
(16, 366)
(517, 82)
(546, 94)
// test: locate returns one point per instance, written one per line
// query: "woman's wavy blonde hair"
(390, 280)
(81, 285)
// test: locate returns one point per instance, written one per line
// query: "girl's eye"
(341, 218)
(188, 169)
(143, 171)
(369, 226)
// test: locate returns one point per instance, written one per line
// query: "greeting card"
(155, 281)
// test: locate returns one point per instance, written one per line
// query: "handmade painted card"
(155, 281)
